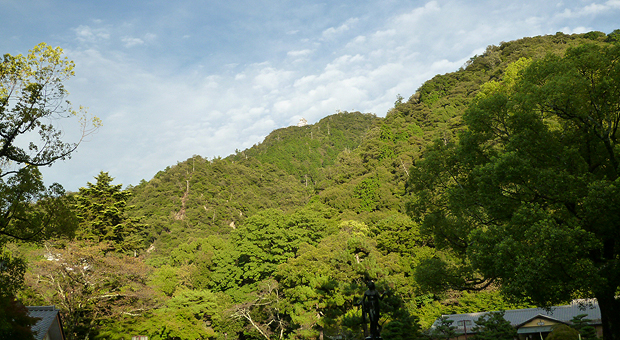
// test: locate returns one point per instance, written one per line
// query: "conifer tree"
(101, 211)
(494, 326)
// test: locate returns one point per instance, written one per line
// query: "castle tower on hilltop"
(302, 122)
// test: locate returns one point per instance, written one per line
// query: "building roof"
(49, 322)
(518, 317)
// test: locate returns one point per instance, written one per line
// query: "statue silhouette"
(370, 310)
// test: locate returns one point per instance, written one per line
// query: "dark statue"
(370, 310)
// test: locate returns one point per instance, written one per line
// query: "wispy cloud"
(332, 32)
(129, 41)
(299, 53)
(592, 9)
(86, 34)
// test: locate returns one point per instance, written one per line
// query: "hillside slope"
(201, 197)
(280, 238)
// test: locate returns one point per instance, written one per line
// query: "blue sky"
(172, 79)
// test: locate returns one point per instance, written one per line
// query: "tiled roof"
(47, 315)
(517, 317)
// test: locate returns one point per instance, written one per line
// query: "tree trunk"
(610, 315)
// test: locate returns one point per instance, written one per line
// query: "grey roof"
(517, 317)
(47, 316)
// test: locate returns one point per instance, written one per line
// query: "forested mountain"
(278, 240)
(200, 197)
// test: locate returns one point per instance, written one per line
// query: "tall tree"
(32, 100)
(531, 192)
(101, 210)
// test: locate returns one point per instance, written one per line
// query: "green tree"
(323, 282)
(442, 329)
(91, 284)
(14, 320)
(216, 266)
(166, 280)
(404, 328)
(263, 313)
(531, 193)
(366, 191)
(582, 325)
(493, 326)
(32, 100)
(189, 314)
(270, 237)
(101, 210)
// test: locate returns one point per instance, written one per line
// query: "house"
(49, 325)
(532, 323)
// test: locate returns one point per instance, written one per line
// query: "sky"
(173, 79)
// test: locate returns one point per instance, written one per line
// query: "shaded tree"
(582, 325)
(263, 313)
(563, 332)
(493, 326)
(15, 323)
(442, 329)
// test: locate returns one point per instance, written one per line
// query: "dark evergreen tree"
(101, 210)
(443, 329)
(15, 324)
(493, 326)
(582, 325)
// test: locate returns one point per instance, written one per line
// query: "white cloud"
(90, 35)
(299, 53)
(269, 78)
(130, 42)
(418, 14)
(592, 9)
(332, 32)
(150, 37)
(387, 34)
(575, 30)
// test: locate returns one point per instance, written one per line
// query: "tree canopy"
(529, 193)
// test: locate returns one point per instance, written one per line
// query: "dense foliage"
(279, 240)
(528, 195)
